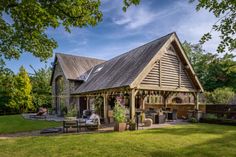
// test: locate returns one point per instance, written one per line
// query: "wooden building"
(155, 75)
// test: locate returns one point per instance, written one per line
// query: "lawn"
(16, 123)
(197, 140)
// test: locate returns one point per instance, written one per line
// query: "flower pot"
(120, 127)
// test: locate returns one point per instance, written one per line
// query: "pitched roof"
(122, 70)
(75, 66)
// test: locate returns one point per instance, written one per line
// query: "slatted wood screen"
(168, 72)
(185, 80)
(153, 77)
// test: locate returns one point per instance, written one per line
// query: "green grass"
(197, 140)
(16, 123)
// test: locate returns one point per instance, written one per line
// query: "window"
(177, 100)
(59, 85)
(98, 69)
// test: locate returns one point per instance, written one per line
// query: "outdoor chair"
(86, 114)
(94, 125)
(151, 113)
(160, 119)
(89, 123)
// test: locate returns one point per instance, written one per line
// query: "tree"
(212, 70)
(23, 23)
(221, 73)
(220, 96)
(6, 84)
(41, 89)
(21, 98)
(225, 11)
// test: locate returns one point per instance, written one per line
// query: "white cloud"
(135, 17)
(189, 24)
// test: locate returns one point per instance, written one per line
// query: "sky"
(121, 31)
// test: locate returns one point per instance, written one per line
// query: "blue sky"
(120, 32)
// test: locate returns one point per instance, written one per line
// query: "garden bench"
(70, 124)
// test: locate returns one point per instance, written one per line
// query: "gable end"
(168, 72)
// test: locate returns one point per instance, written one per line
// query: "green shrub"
(119, 113)
(132, 125)
(72, 112)
(210, 116)
(219, 121)
(220, 96)
(193, 120)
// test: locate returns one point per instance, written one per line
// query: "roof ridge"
(155, 40)
(141, 46)
(72, 55)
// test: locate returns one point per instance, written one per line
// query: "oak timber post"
(165, 102)
(87, 100)
(105, 105)
(132, 103)
(165, 99)
(196, 98)
(78, 106)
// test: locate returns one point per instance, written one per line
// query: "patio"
(102, 128)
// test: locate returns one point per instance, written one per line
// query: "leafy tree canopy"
(225, 11)
(220, 96)
(41, 89)
(212, 70)
(23, 23)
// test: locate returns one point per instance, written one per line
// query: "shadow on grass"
(191, 129)
(220, 147)
(223, 144)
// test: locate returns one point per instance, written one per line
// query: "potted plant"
(119, 117)
(71, 114)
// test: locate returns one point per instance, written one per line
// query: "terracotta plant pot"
(120, 127)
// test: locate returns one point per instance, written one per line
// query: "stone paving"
(47, 117)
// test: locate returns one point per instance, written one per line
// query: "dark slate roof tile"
(76, 66)
(122, 70)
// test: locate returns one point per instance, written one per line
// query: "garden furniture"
(70, 124)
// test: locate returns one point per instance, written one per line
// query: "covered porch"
(149, 102)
